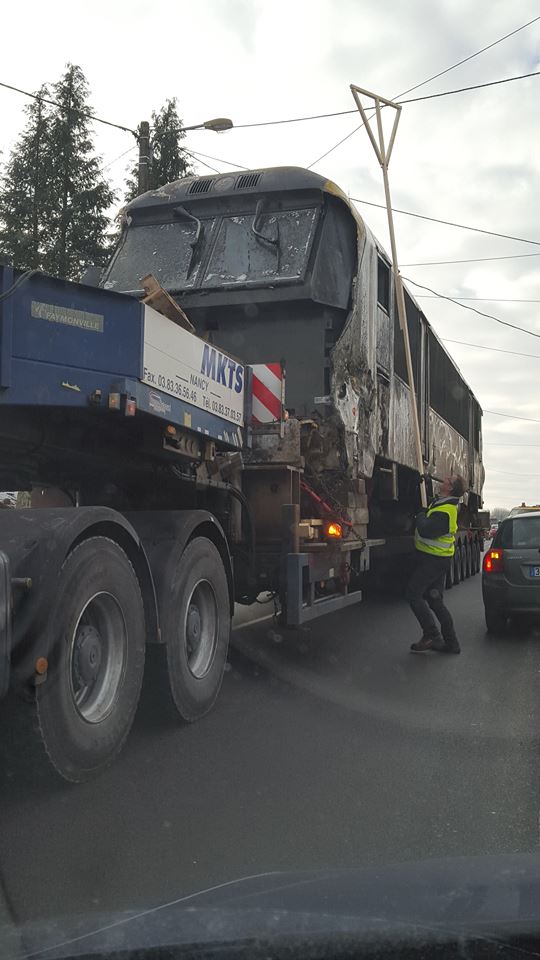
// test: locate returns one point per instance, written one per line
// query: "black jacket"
(438, 523)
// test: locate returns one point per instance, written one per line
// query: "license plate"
(534, 571)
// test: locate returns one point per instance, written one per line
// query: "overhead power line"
(124, 154)
(81, 113)
(277, 123)
(318, 116)
(511, 416)
(429, 79)
(481, 313)
(194, 157)
(430, 96)
(439, 263)
(482, 346)
(447, 223)
(503, 473)
(236, 166)
(476, 86)
(433, 296)
(472, 55)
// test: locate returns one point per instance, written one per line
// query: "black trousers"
(425, 593)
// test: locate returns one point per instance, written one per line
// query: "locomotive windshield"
(187, 253)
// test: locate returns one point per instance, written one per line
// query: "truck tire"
(468, 559)
(463, 561)
(96, 660)
(197, 627)
(457, 566)
(477, 556)
(450, 576)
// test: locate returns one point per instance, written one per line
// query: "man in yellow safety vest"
(435, 544)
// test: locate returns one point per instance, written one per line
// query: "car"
(516, 511)
(511, 571)
(493, 529)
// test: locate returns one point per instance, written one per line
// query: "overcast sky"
(471, 158)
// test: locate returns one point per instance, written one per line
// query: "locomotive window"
(477, 425)
(383, 285)
(449, 394)
(257, 249)
(413, 326)
(164, 249)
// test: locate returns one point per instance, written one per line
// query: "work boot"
(428, 643)
(451, 646)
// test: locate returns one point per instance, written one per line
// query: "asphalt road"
(334, 747)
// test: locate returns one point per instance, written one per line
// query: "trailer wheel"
(468, 559)
(197, 629)
(479, 550)
(463, 561)
(474, 551)
(457, 566)
(97, 644)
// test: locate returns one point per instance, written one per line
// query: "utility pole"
(383, 153)
(37, 174)
(144, 156)
(63, 258)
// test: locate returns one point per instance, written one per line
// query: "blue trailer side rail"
(67, 345)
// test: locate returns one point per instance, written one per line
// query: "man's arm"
(434, 526)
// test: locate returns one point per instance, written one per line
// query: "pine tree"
(26, 197)
(77, 231)
(168, 161)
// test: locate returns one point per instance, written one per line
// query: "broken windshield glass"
(163, 249)
(238, 256)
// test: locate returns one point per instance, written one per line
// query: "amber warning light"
(334, 530)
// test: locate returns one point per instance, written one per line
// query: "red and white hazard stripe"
(268, 392)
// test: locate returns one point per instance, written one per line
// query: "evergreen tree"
(168, 161)
(78, 224)
(26, 197)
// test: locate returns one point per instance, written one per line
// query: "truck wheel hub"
(193, 627)
(88, 653)
(201, 629)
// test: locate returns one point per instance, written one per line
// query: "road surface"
(335, 747)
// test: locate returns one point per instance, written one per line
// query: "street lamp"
(217, 124)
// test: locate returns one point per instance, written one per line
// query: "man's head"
(453, 486)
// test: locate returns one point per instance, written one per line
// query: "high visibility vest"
(442, 546)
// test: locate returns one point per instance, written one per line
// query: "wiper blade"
(260, 236)
(194, 244)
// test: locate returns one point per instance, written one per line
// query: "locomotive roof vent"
(246, 180)
(201, 186)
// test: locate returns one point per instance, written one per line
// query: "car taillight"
(493, 561)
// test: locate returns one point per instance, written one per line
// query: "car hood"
(428, 901)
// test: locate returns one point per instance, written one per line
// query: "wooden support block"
(160, 300)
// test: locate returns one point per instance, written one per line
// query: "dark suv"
(511, 571)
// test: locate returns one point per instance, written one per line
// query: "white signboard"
(180, 364)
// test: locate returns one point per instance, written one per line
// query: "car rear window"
(519, 532)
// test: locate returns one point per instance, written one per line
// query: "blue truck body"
(63, 343)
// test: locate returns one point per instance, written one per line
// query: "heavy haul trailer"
(164, 508)
(278, 262)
